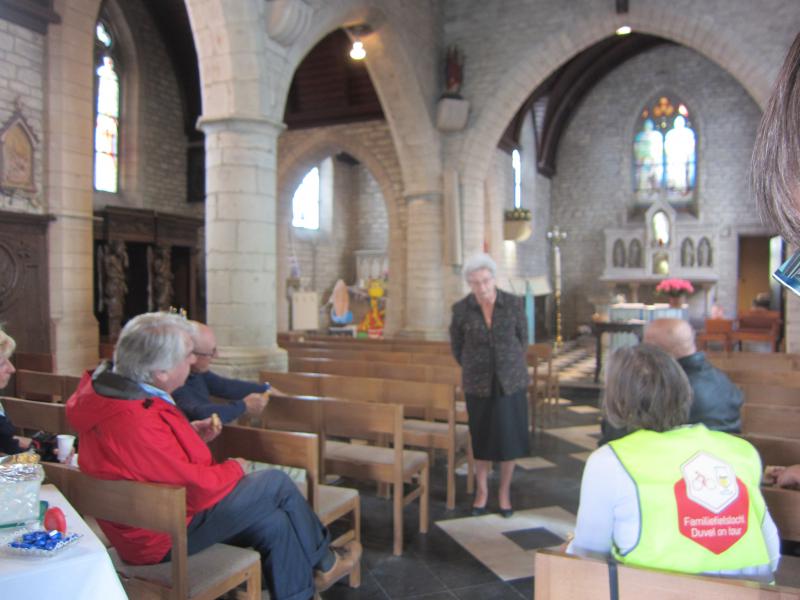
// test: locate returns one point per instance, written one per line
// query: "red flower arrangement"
(674, 287)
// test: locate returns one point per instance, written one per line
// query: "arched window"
(516, 165)
(664, 150)
(107, 111)
(305, 202)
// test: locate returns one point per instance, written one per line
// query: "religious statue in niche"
(162, 277)
(16, 158)
(618, 254)
(687, 252)
(372, 323)
(704, 254)
(115, 266)
(453, 72)
(635, 254)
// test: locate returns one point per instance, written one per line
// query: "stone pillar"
(424, 314)
(241, 169)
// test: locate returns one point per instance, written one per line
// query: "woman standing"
(488, 335)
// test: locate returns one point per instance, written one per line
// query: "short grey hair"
(7, 344)
(646, 389)
(151, 342)
(476, 262)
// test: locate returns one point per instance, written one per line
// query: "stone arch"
(406, 105)
(291, 170)
(537, 62)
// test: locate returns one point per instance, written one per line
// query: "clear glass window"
(516, 164)
(305, 202)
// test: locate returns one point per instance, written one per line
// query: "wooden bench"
(765, 393)
(439, 360)
(202, 576)
(755, 376)
(450, 375)
(759, 361)
(432, 406)
(36, 416)
(771, 420)
(561, 576)
(302, 451)
(46, 387)
(336, 418)
(34, 361)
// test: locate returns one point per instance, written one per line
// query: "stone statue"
(453, 72)
(115, 267)
(162, 277)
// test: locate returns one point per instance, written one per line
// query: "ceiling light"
(624, 30)
(358, 52)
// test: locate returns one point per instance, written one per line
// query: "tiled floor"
(484, 557)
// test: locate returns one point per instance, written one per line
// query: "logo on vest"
(712, 503)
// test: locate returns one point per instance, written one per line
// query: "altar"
(625, 325)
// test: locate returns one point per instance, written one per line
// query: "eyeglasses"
(789, 273)
(211, 354)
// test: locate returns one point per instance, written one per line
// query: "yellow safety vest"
(700, 504)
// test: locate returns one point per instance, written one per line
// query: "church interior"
(237, 160)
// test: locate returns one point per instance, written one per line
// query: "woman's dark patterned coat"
(482, 352)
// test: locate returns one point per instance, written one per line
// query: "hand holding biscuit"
(206, 429)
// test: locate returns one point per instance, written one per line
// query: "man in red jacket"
(130, 428)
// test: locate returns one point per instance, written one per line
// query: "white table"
(83, 570)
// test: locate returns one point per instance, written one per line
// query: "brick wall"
(21, 85)
(591, 190)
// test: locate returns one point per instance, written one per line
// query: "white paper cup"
(65, 444)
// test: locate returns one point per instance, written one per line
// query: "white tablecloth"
(83, 570)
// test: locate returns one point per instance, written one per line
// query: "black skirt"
(499, 424)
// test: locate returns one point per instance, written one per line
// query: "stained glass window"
(664, 149)
(107, 113)
(516, 164)
(305, 202)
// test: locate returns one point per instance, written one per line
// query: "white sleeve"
(772, 540)
(600, 487)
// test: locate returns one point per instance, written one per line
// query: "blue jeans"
(266, 511)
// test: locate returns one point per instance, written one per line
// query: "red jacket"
(126, 435)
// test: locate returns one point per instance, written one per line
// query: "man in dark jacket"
(194, 397)
(717, 401)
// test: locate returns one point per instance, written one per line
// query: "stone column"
(424, 306)
(241, 243)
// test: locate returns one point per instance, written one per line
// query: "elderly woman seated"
(672, 496)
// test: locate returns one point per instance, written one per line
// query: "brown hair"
(646, 389)
(775, 175)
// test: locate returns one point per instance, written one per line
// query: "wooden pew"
(761, 393)
(441, 360)
(33, 361)
(755, 376)
(302, 451)
(36, 416)
(47, 387)
(450, 375)
(562, 576)
(759, 361)
(430, 401)
(330, 417)
(162, 508)
(776, 450)
(784, 506)
(771, 420)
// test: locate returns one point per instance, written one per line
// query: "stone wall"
(21, 88)
(592, 189)
(153, 163)
(370, 218)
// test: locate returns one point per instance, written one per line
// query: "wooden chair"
(330, 417)
(757, 326)
(717, 331)
(431, 407)
(560, 576)
(202, 576)
(302, 451)
(544, 389)
(45, 387)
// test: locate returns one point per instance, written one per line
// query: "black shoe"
(478, 511)
(506, 513)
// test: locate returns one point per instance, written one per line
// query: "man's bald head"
(674, 336)
(205, 346)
